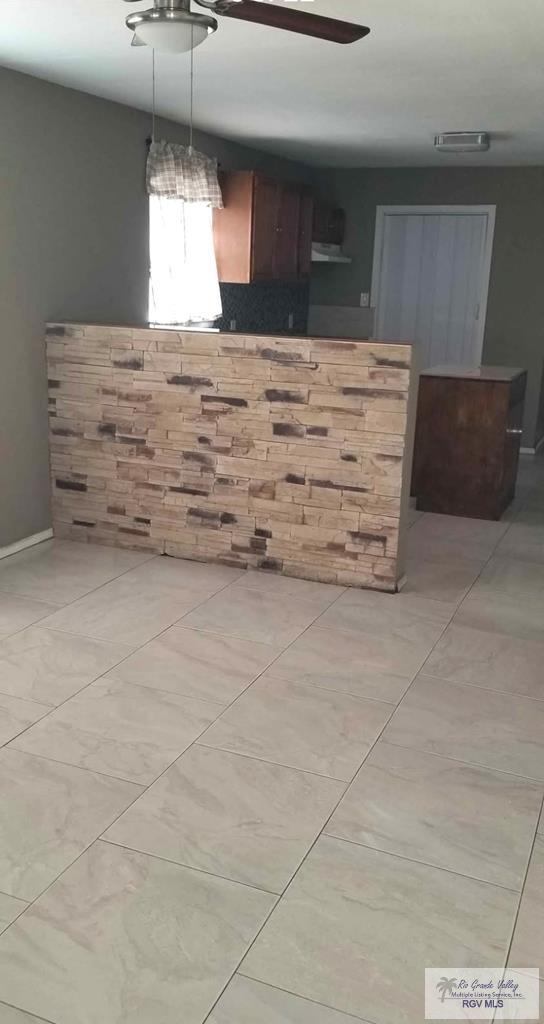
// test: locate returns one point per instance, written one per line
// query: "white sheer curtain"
(183, 286)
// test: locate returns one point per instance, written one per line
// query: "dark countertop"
(496, 373)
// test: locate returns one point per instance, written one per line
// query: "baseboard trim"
(26, 542)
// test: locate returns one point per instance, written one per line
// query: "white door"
(431, 276)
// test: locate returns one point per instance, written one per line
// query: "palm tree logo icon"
(446, 987)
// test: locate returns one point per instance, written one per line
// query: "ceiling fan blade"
(136, 41)
(279, 16)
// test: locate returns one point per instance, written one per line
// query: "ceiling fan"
(171, 25)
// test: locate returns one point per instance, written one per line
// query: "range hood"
(325, 252)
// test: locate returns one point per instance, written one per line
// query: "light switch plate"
(365, 300)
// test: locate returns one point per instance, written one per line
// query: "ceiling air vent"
(462, 142)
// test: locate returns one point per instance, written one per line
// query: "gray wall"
(73, 244)
(515, 316)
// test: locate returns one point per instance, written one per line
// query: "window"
(183, 285)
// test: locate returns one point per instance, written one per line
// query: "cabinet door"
(265, 228)
(305, 235)
(288, 232)
(329, 224)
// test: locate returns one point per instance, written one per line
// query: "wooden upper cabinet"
(305, 233)
(288, 228)
(265, 217)
(264, 231)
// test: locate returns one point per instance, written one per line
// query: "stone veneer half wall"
(287, 455)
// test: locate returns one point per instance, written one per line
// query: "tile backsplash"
(265, 308)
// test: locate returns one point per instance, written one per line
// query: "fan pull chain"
(153, 119)
(192, 91)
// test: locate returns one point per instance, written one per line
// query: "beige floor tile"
(445, 580)
(500, 613)
(470, 820)
(478, 658)
(62, 571)
(197, 664)
(233, 816)
(49, 666)
(528, 945)
(250, 1002)
(127, 611)
(17, 715)
(516, 578)
(382, 613)
(255, 615)
(287, 586)
(10, 908)
(357, 663)
(497, 730)
(176, 573)
(122, 937)
(9, 1015)
(356, 926)
(17, 612)
(459, 528)
(531, 516)
(391, 618)
(300, 726)
(50, 814)
(433, 549)
(130, 732)
(523, 541)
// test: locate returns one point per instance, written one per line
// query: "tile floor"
(242, 799)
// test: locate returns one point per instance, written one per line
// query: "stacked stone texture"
(282, 454)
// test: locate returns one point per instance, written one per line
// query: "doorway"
(430, 279)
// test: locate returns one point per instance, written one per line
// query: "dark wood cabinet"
(468, 437)
(305, 234)
(288, 231)
(329, 224)
(264, 231)
(264, 212)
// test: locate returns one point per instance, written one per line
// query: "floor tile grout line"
(304, 999)
(316, 840)
(240, 962)
(182, 864)
(250, 684)
(144, 788)
(480, 686)
(322, 832)
(353, 780)
(468, 764)
(295, 875)
(77, 767)
(41, 1020)
(26, 597)
(79, 636)
(99, 677)
(423, 863)
(523, 887)
(276, 764)
(25, 700)
(101, 547)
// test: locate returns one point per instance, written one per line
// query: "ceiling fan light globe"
(170, 30)
(171, 37)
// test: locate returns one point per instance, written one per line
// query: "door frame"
(489, 211)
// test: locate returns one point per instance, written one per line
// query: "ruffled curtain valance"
(180, 172)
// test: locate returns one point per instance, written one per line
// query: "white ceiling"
(428, 66)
